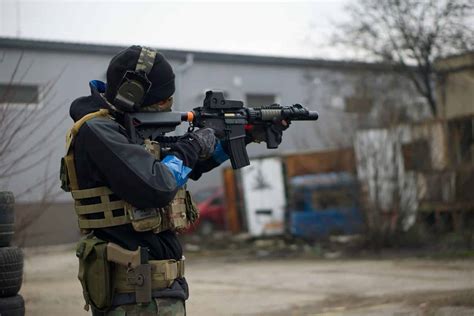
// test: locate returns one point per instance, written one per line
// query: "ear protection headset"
(135, 84)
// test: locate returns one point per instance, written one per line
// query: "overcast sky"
(281, 28)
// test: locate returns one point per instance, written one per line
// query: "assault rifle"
(228, 118)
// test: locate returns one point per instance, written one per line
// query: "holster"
(138, 270)
(95, 272)
(134, 273)
(140, 277)
(106, 269)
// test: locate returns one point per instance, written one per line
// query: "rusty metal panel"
(231, 196)
(327, 161)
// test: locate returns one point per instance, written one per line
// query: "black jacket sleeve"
(203, 167)
(129, 170)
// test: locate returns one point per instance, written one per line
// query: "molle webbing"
(99, 207)
(70, 136)
(105, 213)
(176, 210)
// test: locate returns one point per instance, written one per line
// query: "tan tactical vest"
(178, 214)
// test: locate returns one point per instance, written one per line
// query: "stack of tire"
(11, 261)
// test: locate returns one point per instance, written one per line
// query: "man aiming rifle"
(128, 178)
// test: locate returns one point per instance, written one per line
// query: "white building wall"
(315, 87)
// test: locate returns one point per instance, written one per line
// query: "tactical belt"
(175, 292)
(163, 273)
(134, 273)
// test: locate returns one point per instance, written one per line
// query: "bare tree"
(410, 32)
(19, 153)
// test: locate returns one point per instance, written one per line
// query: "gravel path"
(233, 286)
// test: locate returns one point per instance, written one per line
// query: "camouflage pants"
(158, 307)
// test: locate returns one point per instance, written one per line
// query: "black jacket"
(104, 156)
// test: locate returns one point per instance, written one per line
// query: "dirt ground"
(249, 286)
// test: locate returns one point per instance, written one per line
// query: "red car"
(212, 210)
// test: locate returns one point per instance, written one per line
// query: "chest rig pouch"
(111, 211)
(177, 215)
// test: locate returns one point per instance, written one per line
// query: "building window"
(257, 100)
(19, 94)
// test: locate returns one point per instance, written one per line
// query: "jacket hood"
(88, 104)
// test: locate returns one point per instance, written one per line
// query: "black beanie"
(161, 75)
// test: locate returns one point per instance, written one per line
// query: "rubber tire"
(6, 234)
(7, 197)
(7, 217)
(12, 306)
(11, 271)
